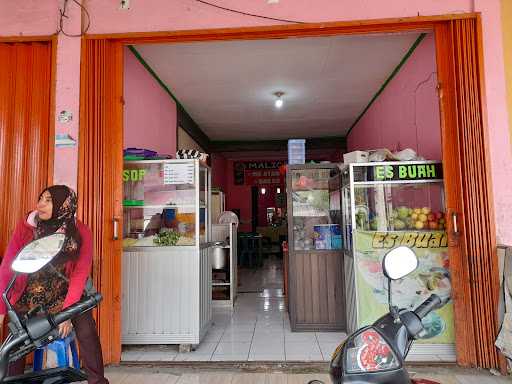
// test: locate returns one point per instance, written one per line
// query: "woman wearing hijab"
(61, 283)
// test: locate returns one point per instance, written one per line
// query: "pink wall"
(219, 171)
(32, 17)
(406, 114)
(40, 18)
(239, 197)
(149, 112)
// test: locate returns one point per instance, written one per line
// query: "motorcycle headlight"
(368, 351)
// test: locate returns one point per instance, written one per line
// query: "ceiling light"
(279, 99)
(263, 191)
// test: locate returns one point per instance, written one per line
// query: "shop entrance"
(463, 148)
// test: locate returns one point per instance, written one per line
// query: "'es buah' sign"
(405, 172)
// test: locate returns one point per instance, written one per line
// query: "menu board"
(175, 174)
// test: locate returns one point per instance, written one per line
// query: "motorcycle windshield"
(368, 351)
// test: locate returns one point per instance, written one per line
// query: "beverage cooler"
(386, 205)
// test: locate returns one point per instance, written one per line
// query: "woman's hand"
(65, 328)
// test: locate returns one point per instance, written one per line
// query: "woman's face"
(45, 206)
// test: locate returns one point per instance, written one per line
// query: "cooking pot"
(220, 256)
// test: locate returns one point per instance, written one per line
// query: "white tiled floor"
(258, 329)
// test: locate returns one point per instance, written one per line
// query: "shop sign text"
(410, 239)
(405, 172)
(133, 174)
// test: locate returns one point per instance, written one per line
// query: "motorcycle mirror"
(399, 262)
(36, 254)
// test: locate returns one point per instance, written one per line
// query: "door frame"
(448, 109)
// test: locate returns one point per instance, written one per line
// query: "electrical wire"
(248, 14)
(63, 15)
(420, 84)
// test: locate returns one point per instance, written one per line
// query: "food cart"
(386, 205)
(166, 268)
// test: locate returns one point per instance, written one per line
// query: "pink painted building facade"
(31, 18)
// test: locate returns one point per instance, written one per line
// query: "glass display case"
(165, 203)
(315, 208)
(374, 202)
(166, 255)
(386, 205)
(315, 257)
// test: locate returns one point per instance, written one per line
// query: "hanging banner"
(431, 276)
(258, 173)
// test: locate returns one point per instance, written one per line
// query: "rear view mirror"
(36, 254)
(399, 262)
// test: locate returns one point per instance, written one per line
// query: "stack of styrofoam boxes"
(296, 151)
(355, 157)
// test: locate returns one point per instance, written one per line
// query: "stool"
(60, 347)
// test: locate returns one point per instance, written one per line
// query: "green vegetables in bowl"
(167, 237)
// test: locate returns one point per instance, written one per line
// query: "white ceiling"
(227, 87)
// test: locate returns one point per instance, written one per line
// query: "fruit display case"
(385, 205)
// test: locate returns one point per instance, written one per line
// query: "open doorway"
(241, 102)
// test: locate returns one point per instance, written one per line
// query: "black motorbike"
(375, 354)
(38, 328)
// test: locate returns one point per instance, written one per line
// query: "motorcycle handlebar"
(78, 308)
(428, 306)
(14, 342)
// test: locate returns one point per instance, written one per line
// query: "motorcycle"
(375, 354)
(39, 328)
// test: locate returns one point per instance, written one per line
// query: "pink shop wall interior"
(40, 18)
(149, 112)
(219, 171)
(406, 113)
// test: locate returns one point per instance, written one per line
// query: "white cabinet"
(166, 295)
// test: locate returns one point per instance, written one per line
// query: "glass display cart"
(166, 268)
(386, 205)
(315, 260)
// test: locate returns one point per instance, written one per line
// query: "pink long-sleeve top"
(77, 271)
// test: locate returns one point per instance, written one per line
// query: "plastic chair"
(61, 348)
